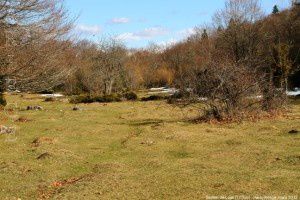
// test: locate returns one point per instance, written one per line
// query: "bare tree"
(110, 64)
(239, 38)
(28, 28)
(101, 67)
(230, 91)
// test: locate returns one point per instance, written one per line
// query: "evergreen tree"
(275, 9)
(204, 34)
(220, 29)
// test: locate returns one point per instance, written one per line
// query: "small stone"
(76, 108)
(34, 108)
(6, 130)
(38, 108)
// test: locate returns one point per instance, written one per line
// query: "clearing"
(142, 150)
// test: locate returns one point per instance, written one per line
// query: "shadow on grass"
(156, 122)
(147, 122)
(180, 152)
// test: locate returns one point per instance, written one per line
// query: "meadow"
(142, 150)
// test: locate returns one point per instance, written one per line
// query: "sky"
(138, 23)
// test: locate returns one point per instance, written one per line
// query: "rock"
(293, 132)
(38, 108)
(34, 108)
(6, 130)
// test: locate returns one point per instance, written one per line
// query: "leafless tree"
(32, 34)
(230, 92)
(110, 64)
(239, 37)
(101, 67)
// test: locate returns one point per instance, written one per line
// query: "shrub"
(99, 99)
(107, 98)
(81, 99)
(228, 96)
(153, 98)
(131, 96)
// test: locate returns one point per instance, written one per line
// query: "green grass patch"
(142, 150)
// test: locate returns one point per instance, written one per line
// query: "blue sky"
(140, 22)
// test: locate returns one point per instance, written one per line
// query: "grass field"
(138, 150)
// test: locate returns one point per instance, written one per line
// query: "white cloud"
(122, 20)
(88, 29)
(187, 32)
(144, 34)
(127, 36)
(152, 32)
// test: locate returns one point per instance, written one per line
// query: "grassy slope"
(143, 151)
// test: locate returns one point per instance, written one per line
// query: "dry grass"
(138, 150)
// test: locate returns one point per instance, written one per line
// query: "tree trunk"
(286, 84)
(268, 91)
(2, 90)
(109, 88)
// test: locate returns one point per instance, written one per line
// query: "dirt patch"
(66, 182)
(48, 192)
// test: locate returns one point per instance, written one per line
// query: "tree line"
(241, 55)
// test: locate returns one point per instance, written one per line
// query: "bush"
(228, 96)
(81, 99)
(107, 98)
(99, 99)
(130, 96)
(153, 98)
